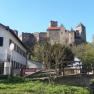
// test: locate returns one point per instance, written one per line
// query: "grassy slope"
(21, 86)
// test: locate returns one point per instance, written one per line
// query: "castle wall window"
(1, 41)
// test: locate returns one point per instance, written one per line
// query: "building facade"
(59, 34)
(28, 39)
(11, 61)
(56, 34)
(40, 36)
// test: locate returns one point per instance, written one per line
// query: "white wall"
(5, 48)
(34, 64)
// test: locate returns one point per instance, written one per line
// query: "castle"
(57, 34)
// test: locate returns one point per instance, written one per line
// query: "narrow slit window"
(1, 41)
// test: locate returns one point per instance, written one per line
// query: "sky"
(35, 15)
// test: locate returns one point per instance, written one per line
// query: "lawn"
(17, 85)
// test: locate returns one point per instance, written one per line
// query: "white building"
(33, 67)
(11, 61)
(35, 64)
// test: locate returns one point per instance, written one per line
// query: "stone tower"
(59, 34)
(64, 36)
(53, 32)
(71, 37)
(80, 33)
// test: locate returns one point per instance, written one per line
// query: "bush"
(92, 81)
(10, 79)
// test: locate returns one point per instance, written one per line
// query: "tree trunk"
(56, 70)
(63, 71)
(92, 70)
(60, 70)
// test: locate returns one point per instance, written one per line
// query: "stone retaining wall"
(80, 80)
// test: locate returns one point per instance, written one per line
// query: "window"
(15, 47)
(1, 41)
(10, 41)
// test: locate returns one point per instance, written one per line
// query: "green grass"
(17, 85)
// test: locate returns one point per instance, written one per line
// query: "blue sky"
(34, 15)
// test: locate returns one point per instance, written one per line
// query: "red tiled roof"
(53, 28)
(62, 28)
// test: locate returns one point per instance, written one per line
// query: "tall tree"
(59, 57)
(37, 52)
(67, 57)
(85, 52)
(47, 55)
(56, 55)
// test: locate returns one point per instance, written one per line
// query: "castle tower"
(80, 33)
(53, 23)
(71, 37)
(53, 32)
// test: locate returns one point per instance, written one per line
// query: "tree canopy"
(85, 52)
(53, 56)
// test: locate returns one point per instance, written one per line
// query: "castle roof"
(53, 28)
(80, 25)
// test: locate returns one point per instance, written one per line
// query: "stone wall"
(80, 80)
(54, 37)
